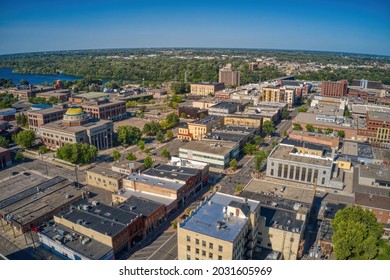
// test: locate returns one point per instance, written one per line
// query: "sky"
(324, 25)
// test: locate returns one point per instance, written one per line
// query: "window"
(272, 172)
(188, 248)
(323, 181)
(220, 248)
(303, 176)
(203, 243)
(211, 245)
(210, 255)
(280, 166)
(197, 241)
(203, 253)
(197, 251)
(219, 257)
(309, 173)
(188, 238)
(285, 171)
(188, 257)
(291, 172)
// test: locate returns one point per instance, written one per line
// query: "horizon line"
(199, 48)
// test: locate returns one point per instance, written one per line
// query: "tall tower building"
(334, 89)
(229, 77)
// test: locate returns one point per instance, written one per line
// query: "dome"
(74, 111)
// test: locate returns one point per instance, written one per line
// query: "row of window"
(210, 256)
(204, 244)
(300, 173)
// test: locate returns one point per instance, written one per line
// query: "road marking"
(174, 235)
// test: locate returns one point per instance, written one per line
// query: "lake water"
(35, 79)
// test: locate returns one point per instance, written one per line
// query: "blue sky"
(345, 26)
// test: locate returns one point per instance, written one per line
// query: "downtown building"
(229, 77)
(334, 89)
(77, 127)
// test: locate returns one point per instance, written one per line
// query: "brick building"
(334, 89)
(40, 117)
(106, 110)
(205, 88)
(229, 77)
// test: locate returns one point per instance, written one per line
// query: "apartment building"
(278, 94)
(376, 128)
(334, 89)
(198, 129)
(223, 227)
(229, 77)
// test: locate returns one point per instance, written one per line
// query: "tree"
(202, 116)
(309, 128)
(160, 137)
(4, 142)
(249, 148)
(259, 158)
(142, 109)
(129, 134)
(183, 115)
(341, 133)
(285, 113)
(147, 151)
(238, 188)
(329, 130)
(319, 130)
(148, 162)
(268, 127)
(131, 157)
(284, 133)
(19, 156)
(166, 154)
(302, 109)
(21, 119)
(258, 140)
(356, 234)
(77, 153)
(116, 155)
(43, 149)
(233, 164)
(169, 134)
(172, 119)
(152, 128)
(297, 126)
(141, 145)
(274, 144)
(25, 138)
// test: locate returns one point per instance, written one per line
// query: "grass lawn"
(384, 250)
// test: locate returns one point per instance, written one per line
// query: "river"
(35, 79)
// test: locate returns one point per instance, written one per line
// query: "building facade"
(229, 77)
(40, 117)
(106, 110)
(204, 89)
(76, 127)
(334, 89)
(223, 227)
(5, 158)
(104, 178)
(286, 163)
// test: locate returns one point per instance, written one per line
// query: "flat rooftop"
(92, 95)
(264, 191)
(40, 200)
(363, 109)
(212, 147)
(71, 239)
(75, 129)
(303, 144)
(167, 174)
(311, 119)
(102, 224)
(381, 154)
(281, 219)
(103, 104)
(47, 111)
(174, 185)
(204, 219)
(127, 193)
(357, 149)
(177, 169)
(380, 173)
(372, 201)
(283, 152)
(207, 83)
(379, 116)
(208, 119)
(105, 172)
(140, 206)
(326, 109)
(224, 105)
